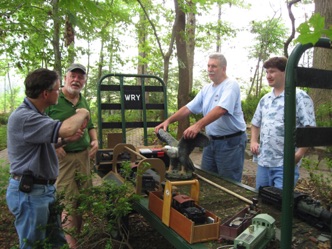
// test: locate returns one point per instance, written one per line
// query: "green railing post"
(289, 148)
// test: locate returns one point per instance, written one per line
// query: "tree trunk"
(166, 56)
(254, 77)
(56, 37)
(291, 17)
(322, 57)
(191, 25)
(141, 68)
(181, 48)
(218, 47)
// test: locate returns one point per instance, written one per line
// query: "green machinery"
(257, 235)
(128, 101)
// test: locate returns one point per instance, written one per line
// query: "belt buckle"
(16, 177)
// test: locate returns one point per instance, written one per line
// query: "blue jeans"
(34, 221)
(225, 157)
(273, 176)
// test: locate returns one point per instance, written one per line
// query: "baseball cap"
(74, 66)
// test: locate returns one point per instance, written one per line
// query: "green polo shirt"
(65, 109)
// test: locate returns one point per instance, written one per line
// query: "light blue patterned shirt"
(226, 95)
(269, 116)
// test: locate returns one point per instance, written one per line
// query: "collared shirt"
(270, 117)
(227, 96)
(65, 109)
(30, 136)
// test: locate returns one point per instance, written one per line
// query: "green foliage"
(10, 100)
(103, 208)
(4, 176)
(313, 29)
(4, 118)
(249, 105)
(7, 228)
(26, 40)
(324, 115)
(321, 181)
(3, 137)
(324, 186)
(194, 117)
(270, 37)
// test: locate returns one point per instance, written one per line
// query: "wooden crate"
(113, 139)
(229, 231)
(185, 227)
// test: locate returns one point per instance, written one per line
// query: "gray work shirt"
(30, 138)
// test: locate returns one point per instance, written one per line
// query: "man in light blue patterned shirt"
(268, 125)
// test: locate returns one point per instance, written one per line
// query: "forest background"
(169, 39)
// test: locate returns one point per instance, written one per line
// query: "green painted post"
(123, 116)
(289, 149)
(145, 130)
(289, 161)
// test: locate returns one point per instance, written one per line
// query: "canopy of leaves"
(270, 37)
(313, 29)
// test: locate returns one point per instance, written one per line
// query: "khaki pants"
(74, 175)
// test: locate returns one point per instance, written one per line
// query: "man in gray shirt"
(31, 140)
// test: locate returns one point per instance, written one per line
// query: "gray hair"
(220, 57)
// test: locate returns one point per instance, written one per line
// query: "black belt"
(35, 180)
(226, 136)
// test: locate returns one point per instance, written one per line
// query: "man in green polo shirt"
(74, 158)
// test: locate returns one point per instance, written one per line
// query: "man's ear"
(45, 93)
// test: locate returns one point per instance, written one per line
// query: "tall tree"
(292, 18)
(191, 35)
(322, 57)
(270, 35)
(166, 55)
(181, 48)
(56, 36)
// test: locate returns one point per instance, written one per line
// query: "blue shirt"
(30, 135)
(270, 117)
(226, 95)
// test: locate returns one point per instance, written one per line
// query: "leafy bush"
(4, 118)
(249, 105)
(4, 176)
(8, 235)
(3, 137)
(104, 209)
(324, 115)
(321, 181)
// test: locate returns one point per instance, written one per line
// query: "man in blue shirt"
(268, 124)
(223, 121)
(31, 140)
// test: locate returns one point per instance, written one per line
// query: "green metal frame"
(144, 88)
(294, 77)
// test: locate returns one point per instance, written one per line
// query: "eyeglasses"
(51, 90)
